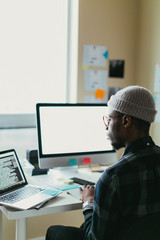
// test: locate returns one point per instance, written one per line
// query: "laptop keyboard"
(20, 194)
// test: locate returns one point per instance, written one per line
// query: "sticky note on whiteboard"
(86, 160)
(99, 93)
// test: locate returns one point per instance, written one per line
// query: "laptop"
(15, 191)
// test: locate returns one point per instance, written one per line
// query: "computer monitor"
(72, 134)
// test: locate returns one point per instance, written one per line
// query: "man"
(129, 189)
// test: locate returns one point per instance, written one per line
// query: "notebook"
(15, 191)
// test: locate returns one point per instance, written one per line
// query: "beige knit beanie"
(135, 101)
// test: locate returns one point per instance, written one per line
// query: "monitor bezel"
(41, 155)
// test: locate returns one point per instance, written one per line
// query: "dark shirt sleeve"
(100, 223)
(126, 191)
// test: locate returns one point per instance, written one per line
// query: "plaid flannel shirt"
(126, 191)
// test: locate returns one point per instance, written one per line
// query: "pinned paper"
(99, 93)
(116, 68)
(72, 161)
(157, 102)
(157, 78)
(113, 90)
(94, 79)
(86, 160)
(93, 55)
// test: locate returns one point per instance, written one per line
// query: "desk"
(63, 202)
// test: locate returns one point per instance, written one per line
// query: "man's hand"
(87, 193)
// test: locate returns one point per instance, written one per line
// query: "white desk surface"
(61, 203)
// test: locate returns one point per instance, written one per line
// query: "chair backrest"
(147, 228)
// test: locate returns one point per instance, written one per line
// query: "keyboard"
(20, 194)
(82, 181)
(75, 191)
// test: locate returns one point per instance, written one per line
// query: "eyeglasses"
(106, 121)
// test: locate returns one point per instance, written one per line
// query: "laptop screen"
(11, 173)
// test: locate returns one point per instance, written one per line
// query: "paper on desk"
(65, 187)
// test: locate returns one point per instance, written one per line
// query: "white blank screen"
(73, 129)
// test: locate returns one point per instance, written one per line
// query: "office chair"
(147, 228)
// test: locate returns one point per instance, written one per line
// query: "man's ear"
(126, 121)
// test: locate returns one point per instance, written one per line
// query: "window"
(36, 57)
